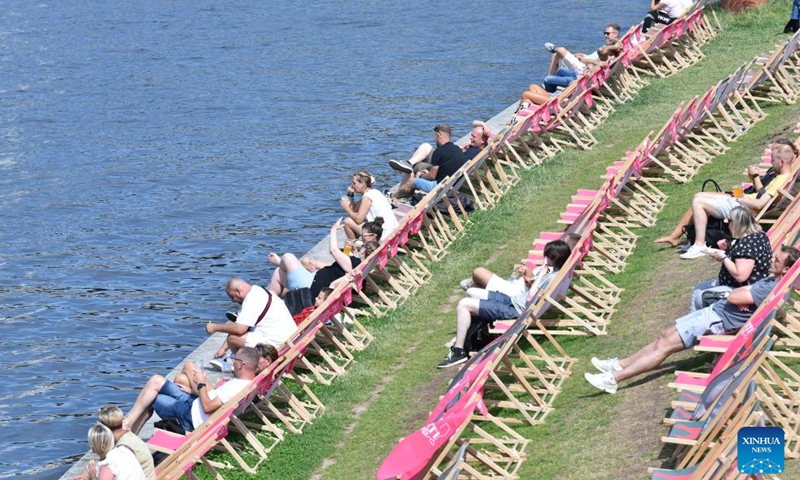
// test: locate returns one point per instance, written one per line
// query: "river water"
(149, 150)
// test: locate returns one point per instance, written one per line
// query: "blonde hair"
(101, 440)
(365, 177)
(111, 416)
(743, 223)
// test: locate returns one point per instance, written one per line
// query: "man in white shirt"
(172, 400)
(263, 318)
(665, 12)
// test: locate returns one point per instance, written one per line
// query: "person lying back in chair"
(719, 205)
(518, 283)
(439, 163)
(726, 315)
(171, 400)
(488, 306)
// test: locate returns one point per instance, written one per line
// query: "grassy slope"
(393, 385)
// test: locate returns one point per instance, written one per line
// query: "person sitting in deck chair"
(726, 315)
(478, 139)
(719, 205)
(292, 273)
(170, 400)
(664, 12)
(263, 318)
(566, 67)
(429, 166)
(489, 306)
(518, 283)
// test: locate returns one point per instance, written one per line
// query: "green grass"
(388, 392)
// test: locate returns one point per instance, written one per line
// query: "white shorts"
(571, 61)
(725, 205)
(698, 323)
(497, 284)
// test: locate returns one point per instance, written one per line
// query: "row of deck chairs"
(515, 379)
(281, 400)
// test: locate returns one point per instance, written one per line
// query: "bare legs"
(703, 205)
(481, 277)
(286, 265)
(467, 307)
(140, 412)
(651, 356)
(351, 228)
(422, 153)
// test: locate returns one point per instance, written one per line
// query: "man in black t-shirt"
(445, 161)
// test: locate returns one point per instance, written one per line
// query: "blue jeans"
(562, 78)
(796, 10)
(172, 402)
(424, 185)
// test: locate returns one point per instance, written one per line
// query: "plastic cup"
(348, 249)
(738, 191)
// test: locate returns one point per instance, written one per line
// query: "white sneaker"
(608, 365)
(224, 364)
(466, 283)
(603, 381)
(693, 252)
(550, 47)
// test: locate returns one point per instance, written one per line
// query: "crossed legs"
(704, 204)
(280, 277)
(422, 153)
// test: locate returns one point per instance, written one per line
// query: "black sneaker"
(456, 356)
(232, 316)
(401, 166)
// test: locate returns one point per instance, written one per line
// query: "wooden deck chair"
(342, 322)
(786, 195)
(453, 469)
(779, 391)
(662, 160)
(717, 408)
(657, 56)
(503, 169)
(420, 454)
(526, 376)
(480, 183)
(770, 81)
(185, 452)
(529, 144)
(720, 462)
(695, 139)
(785, 227)
(763, 81)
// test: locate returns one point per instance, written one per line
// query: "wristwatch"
(201, 385)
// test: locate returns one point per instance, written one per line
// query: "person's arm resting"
(741, 296)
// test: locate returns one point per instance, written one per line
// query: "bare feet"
(274, 258)
(673, 242)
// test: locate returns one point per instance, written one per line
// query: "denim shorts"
(299, 278)
(698, 323)
(498, 306)
(172, 402)
(424, 185)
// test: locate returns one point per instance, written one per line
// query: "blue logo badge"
(760, 450)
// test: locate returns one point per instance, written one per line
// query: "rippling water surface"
(149, 150)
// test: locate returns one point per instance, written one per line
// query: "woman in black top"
(292, 273)
(743, 262)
